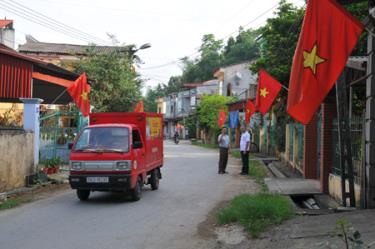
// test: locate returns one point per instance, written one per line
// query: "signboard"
(153, 127)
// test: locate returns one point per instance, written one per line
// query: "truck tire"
(83, 195)
(136, 193)
(154, 179)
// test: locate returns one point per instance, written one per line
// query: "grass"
(10, 203)
(256, 212)
(257, 171)
(235, 153)
(207, 146)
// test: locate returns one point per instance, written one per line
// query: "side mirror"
(70, 146)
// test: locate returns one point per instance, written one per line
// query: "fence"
(356, 135)
(57, 130)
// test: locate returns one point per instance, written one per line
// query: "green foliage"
(191, 125)
(10, 203)
(52, 163)
(151, 97)
(242, 48)
(257, 171)
(115, 84)
(202, 69)
(257, 212)
(360, 11)
(278, 41)
(208, 110)
(207, 146)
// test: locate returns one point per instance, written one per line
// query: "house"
(65, 54)
(7, 34)
(313, 150)
(178, 106)
(237, 80)
(30, 81)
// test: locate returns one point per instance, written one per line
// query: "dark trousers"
(245, 162)
(223, 160)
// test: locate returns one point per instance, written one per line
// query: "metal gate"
(57, 130)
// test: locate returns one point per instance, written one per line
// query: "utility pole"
(346, 160)
(370, 114)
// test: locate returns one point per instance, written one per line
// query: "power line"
(58, 22)
(43, 22)
(47, 22)
(197, 52)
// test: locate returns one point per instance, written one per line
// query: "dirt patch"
(38, 193)
(206, 229)
(232, 234)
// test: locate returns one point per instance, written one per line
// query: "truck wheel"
(136, 193)
(154, 181)
(83, 195)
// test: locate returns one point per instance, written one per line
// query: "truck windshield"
(103, 139)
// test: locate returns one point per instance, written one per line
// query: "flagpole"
(285, 88)
(60, 95)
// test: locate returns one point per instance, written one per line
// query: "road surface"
(162, 219)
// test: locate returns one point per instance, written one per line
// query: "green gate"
(57, 130)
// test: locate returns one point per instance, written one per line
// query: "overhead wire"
(226, 36)
(47, 22)
(58, 22)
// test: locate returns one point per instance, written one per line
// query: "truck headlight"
(76, 165)
(123, 165)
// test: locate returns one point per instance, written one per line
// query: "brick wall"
(310, 150)
(329, 112)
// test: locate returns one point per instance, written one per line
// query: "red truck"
(117, 152)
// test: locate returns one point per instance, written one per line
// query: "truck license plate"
(97, 179)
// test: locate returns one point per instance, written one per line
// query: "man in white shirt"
(245, 149)
(224, 145)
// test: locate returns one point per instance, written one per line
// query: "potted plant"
(51, 166)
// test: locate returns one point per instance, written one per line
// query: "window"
(103, 139)
(137, 142)
(229, 89)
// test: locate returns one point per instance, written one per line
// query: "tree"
(208, 113)
(202, 69)
(242, 48)
(151, 97)
(115, 86)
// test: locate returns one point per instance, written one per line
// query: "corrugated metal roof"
(69, 49)
(16, 71)
(5, 23)
(15, 77)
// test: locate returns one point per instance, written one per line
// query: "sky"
(174, 28)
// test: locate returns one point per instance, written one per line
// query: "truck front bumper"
(115, 182)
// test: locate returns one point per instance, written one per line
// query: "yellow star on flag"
(312, 59)
(84, 96)
(264, 92)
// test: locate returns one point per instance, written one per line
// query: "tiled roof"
(70, 49)
(4, 23)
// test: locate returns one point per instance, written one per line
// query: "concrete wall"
(240, 78)
(334, 186)
(17, 158)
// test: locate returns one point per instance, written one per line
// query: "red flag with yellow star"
(329, 34)
(80, 91)
(249, 110)
(268, 89)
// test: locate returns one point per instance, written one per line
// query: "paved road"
(162, 219)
